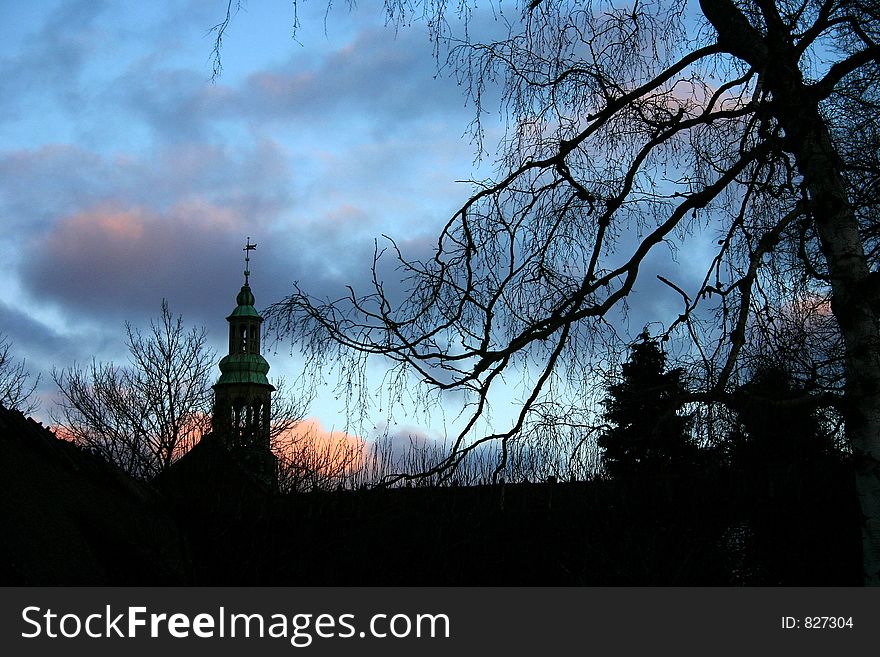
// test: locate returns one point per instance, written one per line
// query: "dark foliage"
(787, 466)
(66, 517)
(779, 424)
(705, 528)
(647, 432)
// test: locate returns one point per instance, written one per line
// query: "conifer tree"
(647, 432)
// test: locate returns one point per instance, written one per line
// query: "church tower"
(243, 394)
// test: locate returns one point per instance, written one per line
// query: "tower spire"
(243, 394)
(248, 247)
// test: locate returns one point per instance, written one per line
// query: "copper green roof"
(244, 368)
(245, 306)
(245, 296)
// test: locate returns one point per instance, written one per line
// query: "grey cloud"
(31, 338)
(38, 185)
(378, 81)
(41, 185)
(52, 58)
(179, 105)
(126, 246)
(42, 347)
(398, 443)
(115, 236)
(119, 262)
(376, 77)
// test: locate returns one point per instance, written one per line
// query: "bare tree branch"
(16, 386)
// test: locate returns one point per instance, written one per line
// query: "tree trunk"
(854, 306)
(855, 301)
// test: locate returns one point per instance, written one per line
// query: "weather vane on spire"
(248, 247)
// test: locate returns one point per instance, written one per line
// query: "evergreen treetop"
(647, 431)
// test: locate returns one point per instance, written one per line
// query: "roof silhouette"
(69, 517)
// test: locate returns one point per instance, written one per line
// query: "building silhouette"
(243, 394)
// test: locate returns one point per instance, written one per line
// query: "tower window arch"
(242, 338)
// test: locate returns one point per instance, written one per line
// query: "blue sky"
(128, 176)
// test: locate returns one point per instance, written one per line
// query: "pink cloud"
(128, 258)
(310, 457)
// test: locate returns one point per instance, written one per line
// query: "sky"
(128, 176)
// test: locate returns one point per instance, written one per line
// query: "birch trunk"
(855, 299)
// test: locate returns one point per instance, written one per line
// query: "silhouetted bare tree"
(308, 461)
(16, 386)
(143, 416)
(635, 129)
(146, 415)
